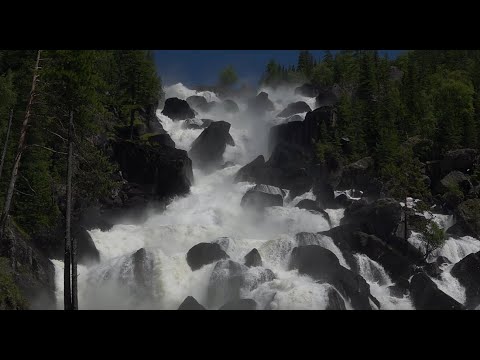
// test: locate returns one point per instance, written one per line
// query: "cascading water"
(212, 211)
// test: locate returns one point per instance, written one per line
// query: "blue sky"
(201, 67)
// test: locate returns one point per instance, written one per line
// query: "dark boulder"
(307, 90)
(143, 265)
(398, 291)
(87, 252)
(380, 218)
(308, 204)
(467, 271)
(324, 194)
(322, 265)
(260, 104)
(203, 254)
(441, 260)
(357, 175)
(162, 171)
(190, 304)
(161, 139)
(461, 160)
(226, 282)
(327, 96)
(294, 108)
(230, 106)
(252, 171)
(467, 216)
(196, 101)
(294, 118)
(433, 270)
(207, 150)
(177, 109)
(262, 196)
(241, 304)
(343, 201)
(253, 258)
(426, 295)
(455, 181)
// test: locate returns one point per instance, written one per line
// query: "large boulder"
(262, 196)
(454, 181)
(226, 282)
(426, 295)
(327, 96)
(313, 206)
(203, 254)
(143, 274)
(307, 90)
(357, 175)
(190, 304)
(177, 109)
(380, 218)
(322, 265)
(230, 106)
(467, 271)
(241, 304)
(260, 104)
(461, 160)
(195, 101)
(161, 139)
(87, 252)
(162, 171)
(207, 150)
(294, 108)
(252, 171)
(32, 272)
(467, 216)
(253, 258)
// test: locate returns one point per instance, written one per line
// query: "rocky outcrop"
(252, 171)
(426, 295)
(160, 171)
(260, 104)
(195, 101)
(253, 258)
(262, 196)
(33, 273)
(207, 150)
(190, 304)
(307, 90)
(357, 175)
(458, 160)
(467, 216)
(294, 108)
(230, 106)
(467, 271)
(335, 301)
(322, 265)
(203, 254)
(177, 109)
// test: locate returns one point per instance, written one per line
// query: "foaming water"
(450, 285)
(379, 281)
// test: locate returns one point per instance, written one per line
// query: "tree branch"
(22, 193)
(28, 183)
(46, 148)
(56, 134)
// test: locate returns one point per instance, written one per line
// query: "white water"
(212, 210)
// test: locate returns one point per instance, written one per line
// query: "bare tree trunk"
(21, 148)
(74, 274)
(5, 146)
(67, 292)
(132, 120)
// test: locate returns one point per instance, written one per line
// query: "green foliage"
(433, 236)
(228, 77)
(322, 74)
(10, 296)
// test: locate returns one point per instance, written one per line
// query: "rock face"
(262, 196)
(195, 101)
(294, 108)
(177, 109)
(460, 160)
(454, 180)
(161, 139)
(426, 295)
(253, 258)
(207, 150)
(252, 171)
(143, 274)
(86, 249)
(307, 90)
(304, 133)
(308, 204)
(380, 218)
(260, 104)
(241, 304)
(327, 96)
(230, 106)
(161, 171)
(467, 271)
(322, 265)
(357, 175)
(467, 216)
(34, 274)
(203, 254)
(335, 301)
(190, 304)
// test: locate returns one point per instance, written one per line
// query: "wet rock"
(177, 109)
(203, 254)
(190, 304)
(426, 295)
(241, 304)
(253, 258)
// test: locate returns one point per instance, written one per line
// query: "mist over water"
(211, 211)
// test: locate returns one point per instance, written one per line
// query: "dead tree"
(67, 279)
(5, 146)
(20, 149)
